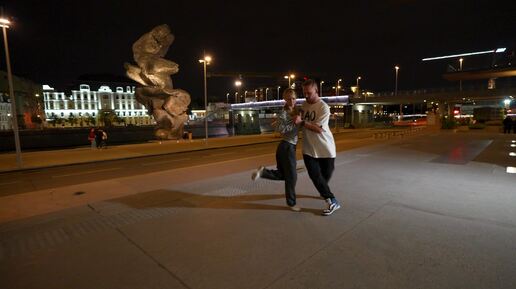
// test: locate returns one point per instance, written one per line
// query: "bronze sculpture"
(166, 104)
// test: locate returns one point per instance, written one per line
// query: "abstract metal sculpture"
(167, 105)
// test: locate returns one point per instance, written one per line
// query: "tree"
(53, 119)
(107, 117)
(72, 119)
(119, 120)
(90, 120)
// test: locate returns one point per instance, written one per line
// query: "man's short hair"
(310, 82)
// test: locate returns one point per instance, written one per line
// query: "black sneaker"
(332, 207)
(258, 173)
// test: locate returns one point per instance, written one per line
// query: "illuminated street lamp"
(4, 23)
(238, 84)
(278, 91)
(322, 81)
(396, 81)
(397, 68)
(255, 94)
(357, 91)
(227, 98)
(289, 77)
(460, 69)
(266, 92)
(337, 87)
(206, 61)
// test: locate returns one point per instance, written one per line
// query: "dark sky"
(54, 42)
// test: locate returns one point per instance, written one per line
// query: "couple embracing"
(318, 146)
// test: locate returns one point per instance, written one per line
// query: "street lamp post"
(206, 61)
(358, 87)
(227, 98)
(460, 68)
(266, 91)
(278, 91)
(396, 82)
(337, 87)
(4, 23)
(322, 81)
(236, 96)
(397, 68)
(255, 94)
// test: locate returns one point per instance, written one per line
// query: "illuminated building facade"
(87, 103)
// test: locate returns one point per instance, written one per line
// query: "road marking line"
(85, 172)
(165, 161)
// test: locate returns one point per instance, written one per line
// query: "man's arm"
(307, 125)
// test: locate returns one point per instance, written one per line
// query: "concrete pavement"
(430, 211)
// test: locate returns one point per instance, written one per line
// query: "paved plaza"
(432, 210)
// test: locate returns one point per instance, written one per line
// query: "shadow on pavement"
(177, 199)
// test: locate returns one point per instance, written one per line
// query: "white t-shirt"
(317, 145)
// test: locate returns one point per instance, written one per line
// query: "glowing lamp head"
(4, 22)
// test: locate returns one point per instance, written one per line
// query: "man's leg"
(327, 168)
(315, 173)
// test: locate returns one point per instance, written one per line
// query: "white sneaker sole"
(328, 212)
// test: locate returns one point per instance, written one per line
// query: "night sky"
(55, 42)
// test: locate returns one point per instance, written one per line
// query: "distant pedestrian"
(319, 150)
(285, 152)
(507, 124)
(99, 133)
(91, 138)
(104, 139)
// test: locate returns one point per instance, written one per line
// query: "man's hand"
(297, 119)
